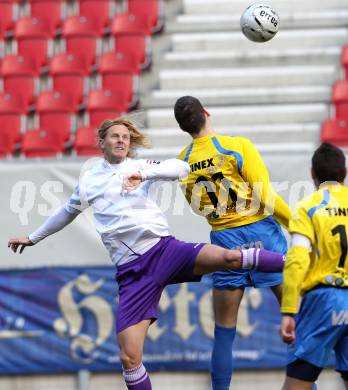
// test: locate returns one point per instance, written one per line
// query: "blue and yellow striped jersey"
(229, 183)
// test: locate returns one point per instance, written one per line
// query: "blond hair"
(137, 139)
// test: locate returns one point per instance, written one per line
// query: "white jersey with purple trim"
(128, 223)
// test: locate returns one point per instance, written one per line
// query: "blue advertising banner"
(63, 320)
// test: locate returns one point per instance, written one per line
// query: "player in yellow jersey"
(229, 185)
(317, 268)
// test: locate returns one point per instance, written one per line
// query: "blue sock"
(221, 359)
(314, 387)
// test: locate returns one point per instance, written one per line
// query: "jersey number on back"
(341, 230)
(211, 190)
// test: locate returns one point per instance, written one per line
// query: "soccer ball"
(259, 23)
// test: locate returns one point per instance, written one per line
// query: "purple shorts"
(142, 281)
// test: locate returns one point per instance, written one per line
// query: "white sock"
(136, 375)
(250, 258)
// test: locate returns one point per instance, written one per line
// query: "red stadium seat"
(20, 77)
(97, 9)
(335, 131)
(119, 73)
(138, 46)
(41, 143)
(12, 103)
(9, 13)
(132, 36)
(104, 104)
(340, 99)
(86, 142)
(6, 144)
(131, 24)
(117, 62)
(33, 39)
(51, 10)
(81, 35)
(2, 32)
(12, 116)
(56, 111)
(152, 8)
(122, 84)
(69, 75)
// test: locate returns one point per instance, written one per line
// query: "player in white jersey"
(135, 232)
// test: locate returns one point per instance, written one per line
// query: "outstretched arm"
(171, 169)
(296, 267)
(53, 224)
(297, 263)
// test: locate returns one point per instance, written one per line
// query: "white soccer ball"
(259, 23)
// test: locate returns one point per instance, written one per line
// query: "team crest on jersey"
(219, 160)
(153, 161)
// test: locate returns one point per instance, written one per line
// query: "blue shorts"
(322, 327)
(265, 234)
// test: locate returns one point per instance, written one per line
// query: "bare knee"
(212, 258)
(231, 258)
(130, 359)
(288, 384)
(296, 384)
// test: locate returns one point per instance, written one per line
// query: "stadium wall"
(30, 191)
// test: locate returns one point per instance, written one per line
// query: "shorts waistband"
(322, 285)
(131, 263)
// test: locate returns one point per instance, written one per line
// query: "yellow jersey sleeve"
(301, 223)
(297, 259)
(183, 154)
(255, 173)
(296, 266)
